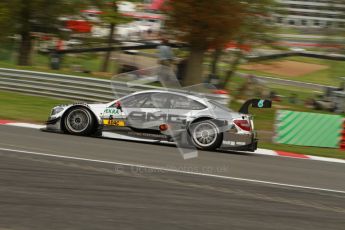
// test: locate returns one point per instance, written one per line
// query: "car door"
(139, 111)
(117, 114)
(178, 108)
(156, 109)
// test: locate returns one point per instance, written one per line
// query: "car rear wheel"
(79, 121)
(205, 135)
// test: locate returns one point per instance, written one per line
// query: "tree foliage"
(23, 17)
(207, 24)
(204, 23)
(111, 16)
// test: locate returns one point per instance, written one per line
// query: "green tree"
(207, 24)
(112, 17)
(256, 30)
(24, 17)
(4, 15)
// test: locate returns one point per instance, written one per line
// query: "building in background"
(312, 13)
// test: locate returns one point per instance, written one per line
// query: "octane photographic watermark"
(200, 170)
(119, 169)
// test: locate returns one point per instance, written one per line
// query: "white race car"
(164, 116)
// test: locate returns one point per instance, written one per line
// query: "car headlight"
(56, 110)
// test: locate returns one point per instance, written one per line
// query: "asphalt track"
(54, 181)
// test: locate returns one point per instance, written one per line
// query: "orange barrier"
(342, 141)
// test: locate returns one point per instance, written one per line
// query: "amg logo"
(148, 117)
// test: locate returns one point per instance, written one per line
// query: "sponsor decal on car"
(147, 117)
(112, 111)
(118, 123)
(233, 143)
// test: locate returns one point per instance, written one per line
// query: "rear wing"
(255, 103)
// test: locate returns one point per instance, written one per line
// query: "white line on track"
(175, 171)
(27, 125)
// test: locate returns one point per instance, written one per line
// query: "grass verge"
(22, 107)
(330, 76)
(84, 65)
(264, 118)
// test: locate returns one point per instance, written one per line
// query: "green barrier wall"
(308, 129)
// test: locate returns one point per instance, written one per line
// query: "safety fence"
(309, 129)
(75, 87)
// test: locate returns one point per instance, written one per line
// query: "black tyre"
(79, 121)
(205, 135)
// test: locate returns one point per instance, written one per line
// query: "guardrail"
(74, 87)
(55, 85)
(286, 82)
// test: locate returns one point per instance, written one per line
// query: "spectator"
(165, 53)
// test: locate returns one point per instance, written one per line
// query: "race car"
(163, 116)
